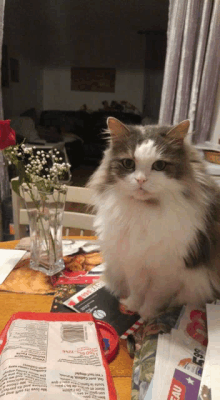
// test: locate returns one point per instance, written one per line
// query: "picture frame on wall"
(5, 69)
(93, 79)
(14, 67)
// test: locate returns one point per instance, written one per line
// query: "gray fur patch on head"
(174, 153)
(125, 146)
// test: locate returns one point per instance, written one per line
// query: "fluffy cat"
(157, 219)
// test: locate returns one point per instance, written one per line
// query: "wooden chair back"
(71, 219)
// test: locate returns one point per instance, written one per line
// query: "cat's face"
(145, 162)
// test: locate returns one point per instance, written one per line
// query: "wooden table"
(10, 303)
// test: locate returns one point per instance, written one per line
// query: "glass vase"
(45, 212)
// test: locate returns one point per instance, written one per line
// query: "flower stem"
(41, 222)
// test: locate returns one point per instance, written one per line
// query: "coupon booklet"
(46, 356)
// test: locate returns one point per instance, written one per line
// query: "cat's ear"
(116, 128)
(179, 132)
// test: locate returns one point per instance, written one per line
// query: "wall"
(57, 93)
(27, 93)
(23, 46)
(124, 51)
(35, 37)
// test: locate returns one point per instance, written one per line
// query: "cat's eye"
(128, 163)
(159, 165)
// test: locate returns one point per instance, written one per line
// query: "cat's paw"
(147, 314)
(116, 287)
(130, 304)
(113, 289)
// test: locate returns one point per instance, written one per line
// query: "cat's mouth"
(141, 193)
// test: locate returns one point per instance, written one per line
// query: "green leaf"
(15, 186)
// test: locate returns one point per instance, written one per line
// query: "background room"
(52, 53)
(49, 40)
(67, 66)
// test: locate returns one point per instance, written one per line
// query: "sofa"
(81, 131)
(88, 127)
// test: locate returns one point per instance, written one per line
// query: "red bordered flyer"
(44, 356)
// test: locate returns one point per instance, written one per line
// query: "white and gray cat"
(157, 218)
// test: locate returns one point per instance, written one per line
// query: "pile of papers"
(186, 368)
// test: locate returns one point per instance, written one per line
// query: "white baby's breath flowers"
(43, 168)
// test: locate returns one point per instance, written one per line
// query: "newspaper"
(49, 358)
(187, 363)
(180, 358)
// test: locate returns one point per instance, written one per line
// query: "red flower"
(7, 135)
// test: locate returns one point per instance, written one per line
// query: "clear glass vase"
(45, 212)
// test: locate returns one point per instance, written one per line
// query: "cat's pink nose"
(140, 181)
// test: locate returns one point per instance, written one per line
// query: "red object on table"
(110, 336)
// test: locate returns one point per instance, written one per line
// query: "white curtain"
(192, 65)
(4, 180)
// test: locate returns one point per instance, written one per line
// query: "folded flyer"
(46, 356)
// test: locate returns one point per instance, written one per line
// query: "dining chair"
(71, 219)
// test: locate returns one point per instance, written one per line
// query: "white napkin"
(9, 258)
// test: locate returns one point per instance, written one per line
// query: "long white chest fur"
(144, 248)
